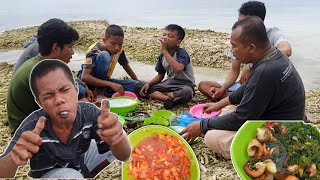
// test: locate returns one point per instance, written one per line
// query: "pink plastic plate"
(197, 111)
(126, 93)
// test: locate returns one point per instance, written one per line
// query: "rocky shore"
(206, 47)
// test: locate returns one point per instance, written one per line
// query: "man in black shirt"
(274, 90)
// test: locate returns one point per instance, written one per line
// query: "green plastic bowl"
(239, 155)
(245, 134)
(123, 104)
(146, 131)
(156, 121)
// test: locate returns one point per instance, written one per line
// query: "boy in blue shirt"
(174, 61)
(101, 59)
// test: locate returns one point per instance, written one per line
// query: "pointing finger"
(40, 125)
(105, 107)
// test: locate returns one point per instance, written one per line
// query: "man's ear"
(253, 48)
(76, 86)
(179, 42)
(55, 49)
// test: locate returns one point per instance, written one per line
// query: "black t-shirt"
(274, 91)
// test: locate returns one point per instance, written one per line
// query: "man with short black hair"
(57, 139)
(274, 91)
(218, 90)
(56, 40)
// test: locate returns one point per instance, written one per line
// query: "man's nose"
(59, 99)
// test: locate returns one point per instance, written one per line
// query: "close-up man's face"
(114, 44)
(171, 38)
(58, 96)
(238, 48)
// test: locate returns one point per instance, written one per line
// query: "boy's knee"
(130, 85)
(82, 92)
(104, 55)
(203, 85)
(138, 86)
(188, 93)
(133, 82)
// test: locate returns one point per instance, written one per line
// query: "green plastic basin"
(146, 131)
(166, 114)
(239, 155)
(123, 105)
(245, 134)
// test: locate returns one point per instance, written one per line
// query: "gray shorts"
(92, 159)
(183, 90)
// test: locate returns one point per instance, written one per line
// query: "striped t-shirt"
(55, 154)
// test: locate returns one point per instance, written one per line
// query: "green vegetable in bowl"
(277, 150)
(283, 150)
(302, 142)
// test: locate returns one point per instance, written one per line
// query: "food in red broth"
(160, 157)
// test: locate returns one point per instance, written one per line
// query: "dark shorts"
(183, 90)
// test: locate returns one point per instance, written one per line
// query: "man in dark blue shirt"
(274, 90)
